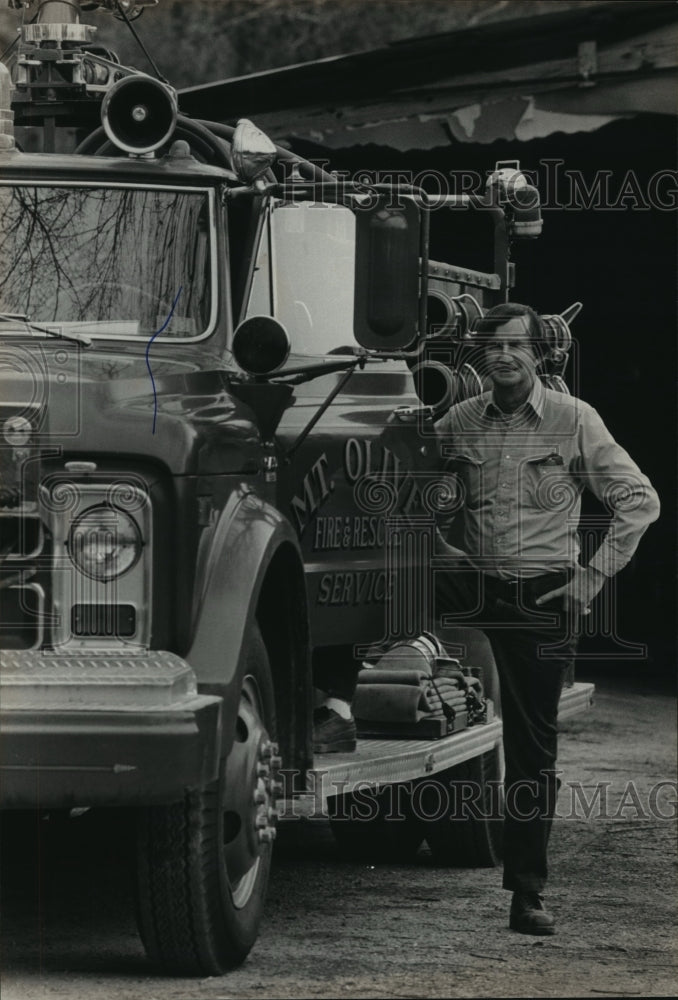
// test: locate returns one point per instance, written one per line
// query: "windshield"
(305, 273)
(110, 261)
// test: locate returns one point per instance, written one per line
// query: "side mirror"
(261, 345)
(386, 305)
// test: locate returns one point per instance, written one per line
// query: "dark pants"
(335, 671)
(533, 649)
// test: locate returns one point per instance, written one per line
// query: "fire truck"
(220, 368)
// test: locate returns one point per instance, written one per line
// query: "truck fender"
(254, 570)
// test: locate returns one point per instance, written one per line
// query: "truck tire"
(475, 839)
(376, 826)
(202, 864)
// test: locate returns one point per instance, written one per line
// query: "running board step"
(378, 762)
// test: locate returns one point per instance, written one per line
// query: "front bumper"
(103, 730)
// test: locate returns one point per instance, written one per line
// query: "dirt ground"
(341, 929)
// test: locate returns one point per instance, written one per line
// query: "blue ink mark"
(148, 348)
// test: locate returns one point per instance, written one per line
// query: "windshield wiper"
(75, 338)
(306, 373)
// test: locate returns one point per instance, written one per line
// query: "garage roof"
(568, 71)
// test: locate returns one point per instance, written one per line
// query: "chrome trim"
(47, 681)
(80, 468)
(40, 625)
(70, 586)
(21, 514)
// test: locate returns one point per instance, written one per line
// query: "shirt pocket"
(547, 483)
(468, 473)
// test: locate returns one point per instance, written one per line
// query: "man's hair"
(502, 313)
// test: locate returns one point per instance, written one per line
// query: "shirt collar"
(534, 402)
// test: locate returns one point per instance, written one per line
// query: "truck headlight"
(104, 542)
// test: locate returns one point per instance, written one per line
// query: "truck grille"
(22, 539)
(21, 535)
(22, 598)
(104, 620)
(22, 610)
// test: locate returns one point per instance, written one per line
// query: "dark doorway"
(610, 241)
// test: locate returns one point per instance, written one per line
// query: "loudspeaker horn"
(139, 113)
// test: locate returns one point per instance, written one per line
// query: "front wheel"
(203, 863)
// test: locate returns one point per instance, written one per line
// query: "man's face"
(510, 357)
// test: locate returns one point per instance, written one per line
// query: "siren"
(139, 114)
(559, 342)
(557, 329)
(450, 316)
(436, 385)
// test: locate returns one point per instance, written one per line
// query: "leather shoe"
(528, 915)
(331, 733)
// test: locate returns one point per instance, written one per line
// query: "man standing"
(522, 455)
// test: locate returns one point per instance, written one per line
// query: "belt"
(528, 588)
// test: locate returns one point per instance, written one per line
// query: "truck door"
(343, 487)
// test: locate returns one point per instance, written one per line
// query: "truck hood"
(97, 402)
